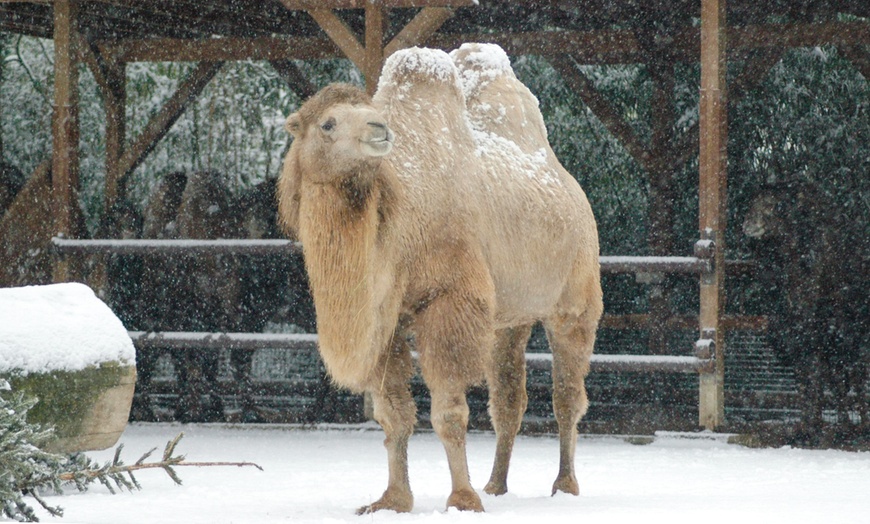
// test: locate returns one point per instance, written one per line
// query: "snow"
(58, 327)
(323, 475)
(487, 62)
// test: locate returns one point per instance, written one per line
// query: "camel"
(416, 224)
(26, 256)
(812, 270)
(207, 289)
(11, 182)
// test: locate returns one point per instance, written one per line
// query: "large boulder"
(63, 345)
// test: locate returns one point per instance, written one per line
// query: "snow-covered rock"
(63, 345)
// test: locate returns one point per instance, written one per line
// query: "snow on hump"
(59, 327)
(410, 64)
(534, 166)
(479, 64)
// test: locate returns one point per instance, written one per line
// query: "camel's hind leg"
(395, 411)
(571, 334)
(508, 399)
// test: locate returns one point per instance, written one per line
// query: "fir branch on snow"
(27, 470)
(115, 470)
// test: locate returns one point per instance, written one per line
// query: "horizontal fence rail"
(65, 246)
(621, 264)
(294, 341)
(200, 340)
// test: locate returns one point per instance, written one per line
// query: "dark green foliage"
(24, 468)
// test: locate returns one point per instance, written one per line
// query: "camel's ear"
(293, 125)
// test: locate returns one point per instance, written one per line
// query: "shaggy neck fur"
(339, 225)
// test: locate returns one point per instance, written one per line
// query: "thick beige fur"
(456, 236)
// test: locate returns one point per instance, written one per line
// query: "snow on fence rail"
(64, 247)
(536, 361)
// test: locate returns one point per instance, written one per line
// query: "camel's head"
(336, 132)
(765, 218)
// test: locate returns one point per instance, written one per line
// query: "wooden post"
(65, 127)
(713, 167)
(376, 22)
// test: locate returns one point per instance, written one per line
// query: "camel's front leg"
(455, 339)
(395, 411)
(450, 420)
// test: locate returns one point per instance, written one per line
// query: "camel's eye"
(329, 125)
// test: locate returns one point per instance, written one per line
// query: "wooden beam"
(90, 57)
(376, 27)
(342, 35)
(797, 35)
(612, 120)
(424, 24)
(65, 126)
(620, 46)
(587, 47)
(163, 121)
(303, 88)
(307, 5)
(220, 49)
(713, 167)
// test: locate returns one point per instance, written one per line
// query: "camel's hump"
(415, 64)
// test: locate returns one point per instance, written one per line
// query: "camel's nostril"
(378, 125)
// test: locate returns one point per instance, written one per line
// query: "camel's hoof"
(465, 500)
(398, 502)
(496, 488)
(566, 484)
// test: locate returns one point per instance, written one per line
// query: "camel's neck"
(339, 229)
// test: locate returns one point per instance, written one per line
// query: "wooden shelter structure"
(105, 35)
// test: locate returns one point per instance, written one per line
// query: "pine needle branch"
(28, 471)
(116, 469)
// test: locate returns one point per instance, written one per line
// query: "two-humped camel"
(417, 217)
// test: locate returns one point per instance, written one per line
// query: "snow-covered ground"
(323, 475)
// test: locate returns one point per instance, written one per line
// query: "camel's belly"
(529, 282)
